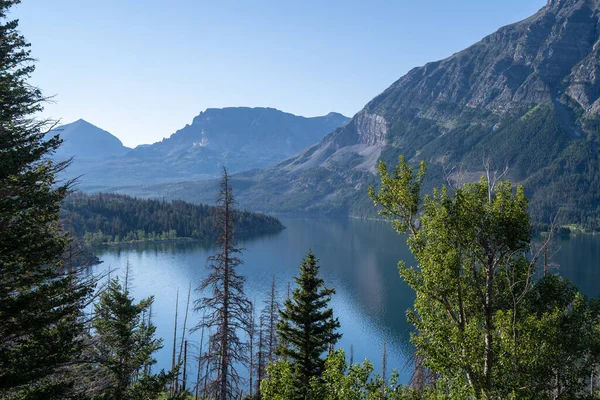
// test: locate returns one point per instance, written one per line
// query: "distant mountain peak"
(239, 138)
(85, 140)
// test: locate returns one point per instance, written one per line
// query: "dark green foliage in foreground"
(112, 218)
(123, 347)
(307, 327)
(40, 302)
(485, 326)
(338, 381)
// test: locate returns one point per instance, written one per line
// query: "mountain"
(526, 97)
(86, 141)
(240, 138)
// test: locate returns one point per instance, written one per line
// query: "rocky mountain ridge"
(240, 138)
(526, 97)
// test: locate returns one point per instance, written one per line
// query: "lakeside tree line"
(490, 321)
(106, 218)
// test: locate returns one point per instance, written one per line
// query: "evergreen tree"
(227, 309)
(40, 302)
(307, 326)
(124, 346)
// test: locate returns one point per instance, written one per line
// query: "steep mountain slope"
(240, 138)
(526, 96)
(86, 141)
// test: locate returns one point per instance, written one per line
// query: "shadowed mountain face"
(238, 138)
(85, 141)
(526, 97)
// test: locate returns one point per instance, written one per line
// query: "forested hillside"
(105, 218)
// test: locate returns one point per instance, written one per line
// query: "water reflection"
(358, 258)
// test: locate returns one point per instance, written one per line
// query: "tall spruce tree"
(40, 302)
(307, 328)
(226, 307)
(124, 347)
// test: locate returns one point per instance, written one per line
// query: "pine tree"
(307, 326)
(41, 322)
(124, 346)
(227, 308)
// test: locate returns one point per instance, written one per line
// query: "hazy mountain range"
(240, 138)
(526, 97)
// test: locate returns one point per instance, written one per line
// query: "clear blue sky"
(142, 69)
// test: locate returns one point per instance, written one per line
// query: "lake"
(357, 257)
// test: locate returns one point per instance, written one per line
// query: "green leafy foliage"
(484, 324)
(338, 381)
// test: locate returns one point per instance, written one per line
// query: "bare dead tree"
(421, 377)
(226, 306)
(184, 379)
(251, 337)
(183, 341)
(199, 371)
(383, 367)
(174, 386)
(493, 176)
(261, 355)
(418, 376)
(270, 317)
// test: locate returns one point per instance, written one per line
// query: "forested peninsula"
(109, 218)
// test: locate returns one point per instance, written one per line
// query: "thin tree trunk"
(260, 360)
(199, 363)
(251, 345)
(174, 388)
(488, 356)
(187, 308)
(208, 361)
(183, 384)
(383, 368)
(224, 337)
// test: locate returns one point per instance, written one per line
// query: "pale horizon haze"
(142, 70)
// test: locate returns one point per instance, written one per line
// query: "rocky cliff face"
(527, 63)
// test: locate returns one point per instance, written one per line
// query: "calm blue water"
(358, 258)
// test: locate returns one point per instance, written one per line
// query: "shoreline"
(180, 240)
